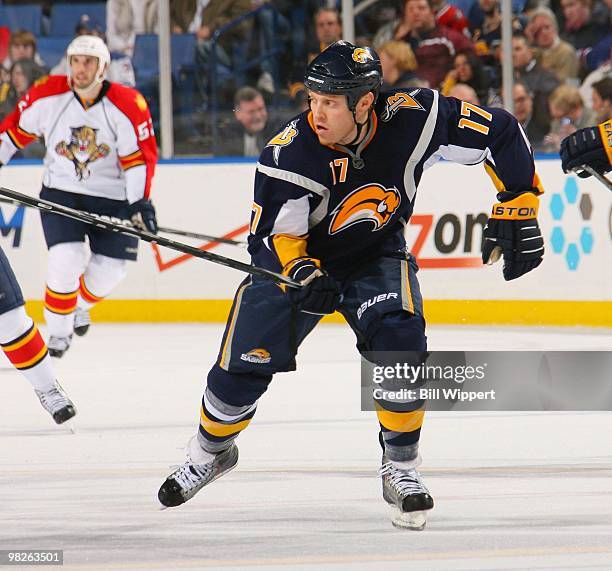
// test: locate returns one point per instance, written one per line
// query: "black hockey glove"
(590, 146)
(142, 215)
(319, 294)
(513, 232)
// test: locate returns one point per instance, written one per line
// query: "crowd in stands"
(246, 58)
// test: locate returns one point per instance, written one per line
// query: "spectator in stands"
(328, 29)
(602, 99)
(396, 29)
(273, 31)
(5, 83)
(464, 92)
(450, 16)
(540, 81)
(447, 15)
(580, 29)
(398, 65)
(127, 18)
(22, 46)
(434, 46)
(24, 73)
(586, 87)
(568, 114)
(215, 15)
(468, 69)
(554, 54)
(252, 128)
(120, 69)
(485, 25)
(535, 127)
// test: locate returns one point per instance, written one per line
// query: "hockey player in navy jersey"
(100, 157)
(334, 191)
(591, 146)
(25, 348)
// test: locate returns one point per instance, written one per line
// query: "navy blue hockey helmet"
(345, 69)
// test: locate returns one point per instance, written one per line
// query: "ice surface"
(512, 491)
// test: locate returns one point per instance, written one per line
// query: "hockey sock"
(102, 275)
(59, 308)
(25, 348)
(220, 423)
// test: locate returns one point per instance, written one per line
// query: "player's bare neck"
(88, 97)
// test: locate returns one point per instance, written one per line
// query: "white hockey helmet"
(90, 46)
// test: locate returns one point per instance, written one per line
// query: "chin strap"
(360, 126)
(356, 159)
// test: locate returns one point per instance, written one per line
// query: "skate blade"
(414, 521)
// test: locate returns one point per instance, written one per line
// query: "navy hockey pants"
(383, 306)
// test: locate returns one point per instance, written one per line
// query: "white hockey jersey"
(106, 149)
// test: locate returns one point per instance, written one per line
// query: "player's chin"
(325, 137)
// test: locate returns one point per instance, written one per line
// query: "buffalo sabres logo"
(362, 55)
(82, 150)
(371, 203)
(256, 356)
(399, 101)
(283, 139)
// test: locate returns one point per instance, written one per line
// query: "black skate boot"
(57, 346)
(405, 492)
(57, 403)
(200, 469)
(82, 321)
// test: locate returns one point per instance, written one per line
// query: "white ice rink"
(512, 491)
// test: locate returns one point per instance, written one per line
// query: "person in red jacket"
(451, 17)
(434, 46)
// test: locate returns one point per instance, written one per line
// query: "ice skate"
(82, 321)
(57, 346)
(57, 403)
(200, 469)
(408, 497)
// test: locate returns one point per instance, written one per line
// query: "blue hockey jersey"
(342, 205)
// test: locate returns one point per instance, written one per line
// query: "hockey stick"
(202, 236)
(125, 227)
(600, 177)
(167, 230)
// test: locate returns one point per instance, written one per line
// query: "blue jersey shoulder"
(399, 105)
(290, 148)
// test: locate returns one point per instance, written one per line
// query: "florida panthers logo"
(362, 55)
(371, 203)
(82, 150)
(399, 101)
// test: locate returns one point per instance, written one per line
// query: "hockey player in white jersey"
(100, 157)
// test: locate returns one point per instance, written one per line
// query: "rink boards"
(573, 286)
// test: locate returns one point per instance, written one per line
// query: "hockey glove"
(319, 294)
(590, 146)
(513, 232)
(142, 215)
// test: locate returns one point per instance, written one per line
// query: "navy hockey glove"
(590, 146)
(513, 232)
(142, 215)
(319, 294)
